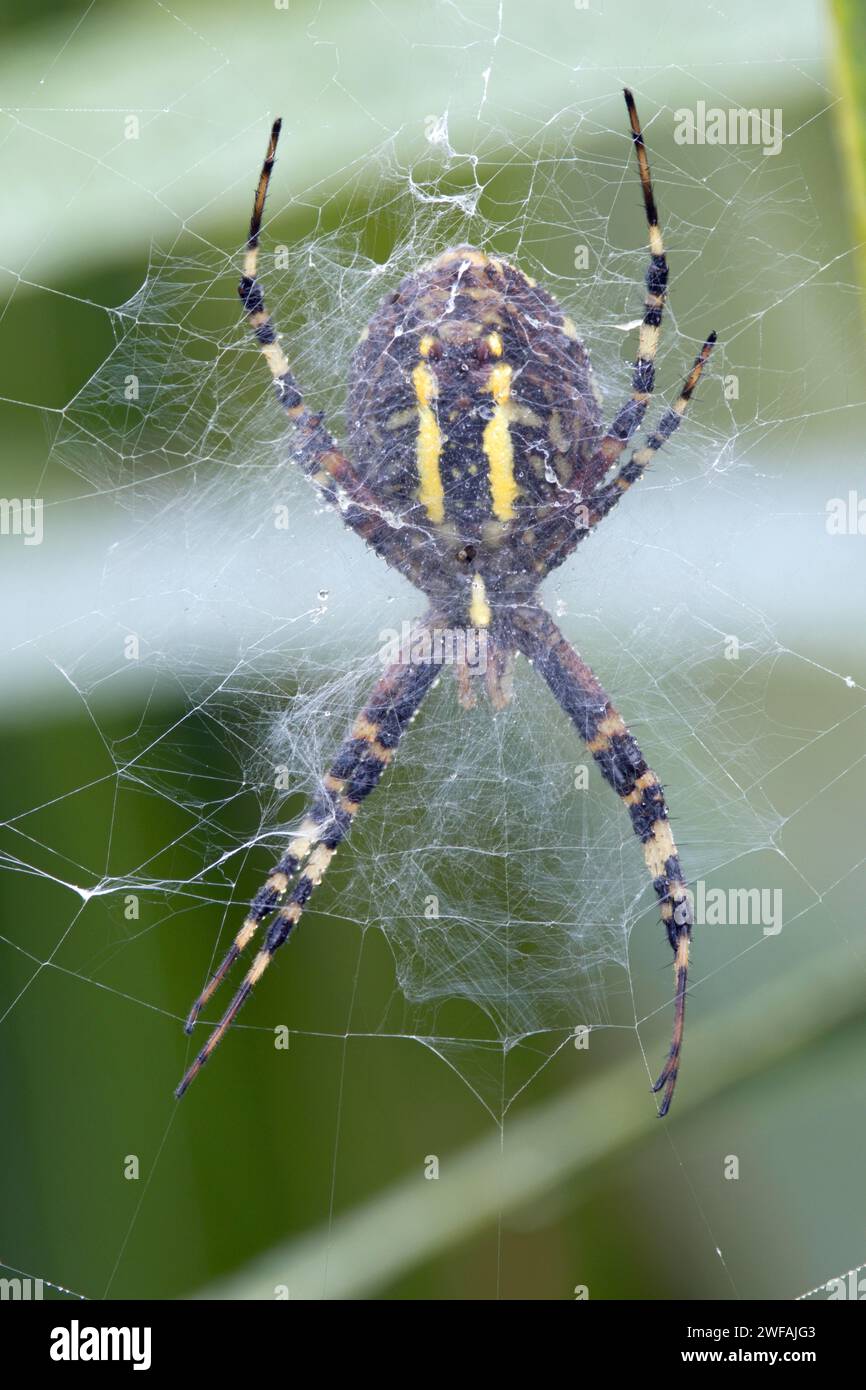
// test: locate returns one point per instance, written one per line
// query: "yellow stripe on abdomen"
(428, 446)
(497, 444)
(479, 608)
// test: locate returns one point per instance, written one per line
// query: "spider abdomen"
(472, 407)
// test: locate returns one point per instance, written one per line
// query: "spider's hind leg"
(355, 772)
(623, 766)
(263, 904)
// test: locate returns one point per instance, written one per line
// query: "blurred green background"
(311, 1162)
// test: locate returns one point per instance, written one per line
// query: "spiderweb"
(220, 630)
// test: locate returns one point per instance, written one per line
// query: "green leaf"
(561, 1141)
(850, 66)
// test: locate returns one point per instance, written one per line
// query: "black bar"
(203, 1339)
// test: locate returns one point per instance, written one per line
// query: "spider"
(477, 463)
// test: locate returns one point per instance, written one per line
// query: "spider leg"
(630, 415)
(313, 444)
(605, 498)
(622, 764)
(354, 773)
(579, 518)
(322, 813)
(266, 901)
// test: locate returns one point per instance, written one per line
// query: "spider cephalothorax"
(476, 462)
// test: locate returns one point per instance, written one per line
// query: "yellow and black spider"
(478, 463)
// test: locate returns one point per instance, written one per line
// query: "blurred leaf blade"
(849, 18)
(364, 1249)
(100, 187)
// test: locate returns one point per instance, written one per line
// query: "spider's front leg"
(580, 516)
(630, 415)
(622, 765)
(363, 757)
(594, 498)
(314, 446)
